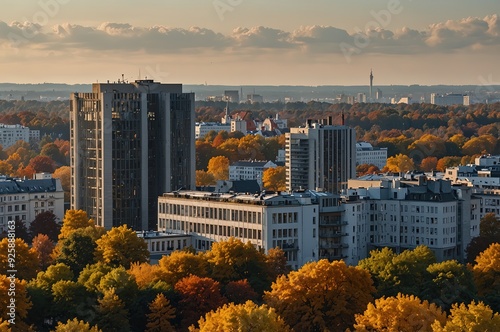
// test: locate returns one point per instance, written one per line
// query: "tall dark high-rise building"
(130, 143)
(371, 85)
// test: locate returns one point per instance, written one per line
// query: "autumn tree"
(74, 219)
(233, 260)
(274, 178)
(219, 167)
(21, 305)
(399, 163)
(42, 164)
(43, 247)
(240, 291)
(121, 246)
(429, 164)
(121, 282)
(75, 325)
(64, 174)
(204, 152)
(321, 296)
(160, 316)
(22, 231)
(220, 138)
(112, 315)
(489, 232)
(26, 259)
(76, 250)
(45, 223)
(475, 317)
(54, 273)
(447, 162)
(242, 317)
(198, 296)
(180, 264)
(68, 297)
(482, 144)
(426, 146)
(276, 263)
(486, 275)
(51, 150)
(6, 168)
(400, 313)
(204, 178)
(366, 169)
(145, 274)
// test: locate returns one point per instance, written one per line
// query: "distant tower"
(371, 84)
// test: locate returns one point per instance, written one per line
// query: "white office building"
(367, 154)
(450, 99)
(201, 129)
(10, 134)
(249, 170)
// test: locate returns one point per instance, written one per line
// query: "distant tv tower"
(371, 84)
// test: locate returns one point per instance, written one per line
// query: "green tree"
(121, 246)
(242, 317)
(321, 296)
(77, 250)
(121, 282)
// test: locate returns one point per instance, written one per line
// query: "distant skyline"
(243, 42)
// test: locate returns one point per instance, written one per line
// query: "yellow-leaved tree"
(180, 264)
(274, 178)
(219, 167)
(26, 259)
(161, 313)
(242, 317)
(75, 325)
(73, 220)
(400, 313)
(399, 163)
(121, 246)
(21, 305)
(486, 275)
(472, 318)
(321, 296)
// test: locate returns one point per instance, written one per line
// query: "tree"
(54, 273)
(219, 167)
(6, 168)
(233, 260)
(489, 232)
(472, 318)
(22, 231)
(220, 138)
(242, 317)
(26, 259)
(276, 263)
(180, 264)
(399, 163)
(197, 297)
(74, 219)
(91, 276)
(204, 178)
(425, 146)
(45, 223)
(204, 152)
(161, 313)
(482, 144)
(111, 313)
(274, 178)
(121, 246)
(43, 247)
(51, 150)
(446, 162)
(76, 325)
(21, 305)
(76, 250)
(364, 169)
(121, 282)
(321, 296)
(429, 164)
(487, 274)
(64, 174)
(68, 298)
(240, 291)
(145, 274)
(42, 164)
(400, 313)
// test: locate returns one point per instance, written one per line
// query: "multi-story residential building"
(249, 170)
(404, 212)
(25, 199)
(266, 220)
(130, 142)
(163, 244)
(320, 156)
(10, 134)
(367, 154)
(450, 99)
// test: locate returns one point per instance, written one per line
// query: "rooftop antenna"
(123, 78)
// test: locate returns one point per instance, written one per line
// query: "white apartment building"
(405, 212)
(266, 220)
(163, 244)
(201, 129)
(10, 134)
(367, 154)
(25, 199)
(249, 170)
(450, 99)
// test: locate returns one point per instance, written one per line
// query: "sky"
(251, 42)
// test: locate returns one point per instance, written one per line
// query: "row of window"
(210, 229)
(211, 213)
(167, 245)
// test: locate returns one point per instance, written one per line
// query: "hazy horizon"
(237, 42)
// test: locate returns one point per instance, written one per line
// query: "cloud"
(470, 33)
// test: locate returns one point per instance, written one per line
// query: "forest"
(83, 278)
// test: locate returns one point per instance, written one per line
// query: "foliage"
(364, 169)
(42, 164)
(64, 174)
(198, 296)
(276, 263)
(399, 163)
(429, 164)
(242, 317)
(122, 283)
(121, 246)
(68, 299)
(487, 276)
(45, 223)
(76, 325)
(76, 250)
(321, 296)
(91, 275)
(204, 178)
(180, 264)
(54, 273)
(22, 303)
(43, 247)
(489, 232)
(219, 167)
(400, 313)
(26, 259)
(145, 274)
(112, 314)
(239, 292)
(472, 318)
(161, 313)
(22, 231)
(73, 220)
(274, 178)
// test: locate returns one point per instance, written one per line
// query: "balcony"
(331, 234)
(289, 246)
(327, 246)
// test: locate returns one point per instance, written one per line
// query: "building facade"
(249, 170)
(367, 154)
(130, 142)
(203, 128)
(10, 134)
(25, 199)
(320, 156)
(450, 99)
